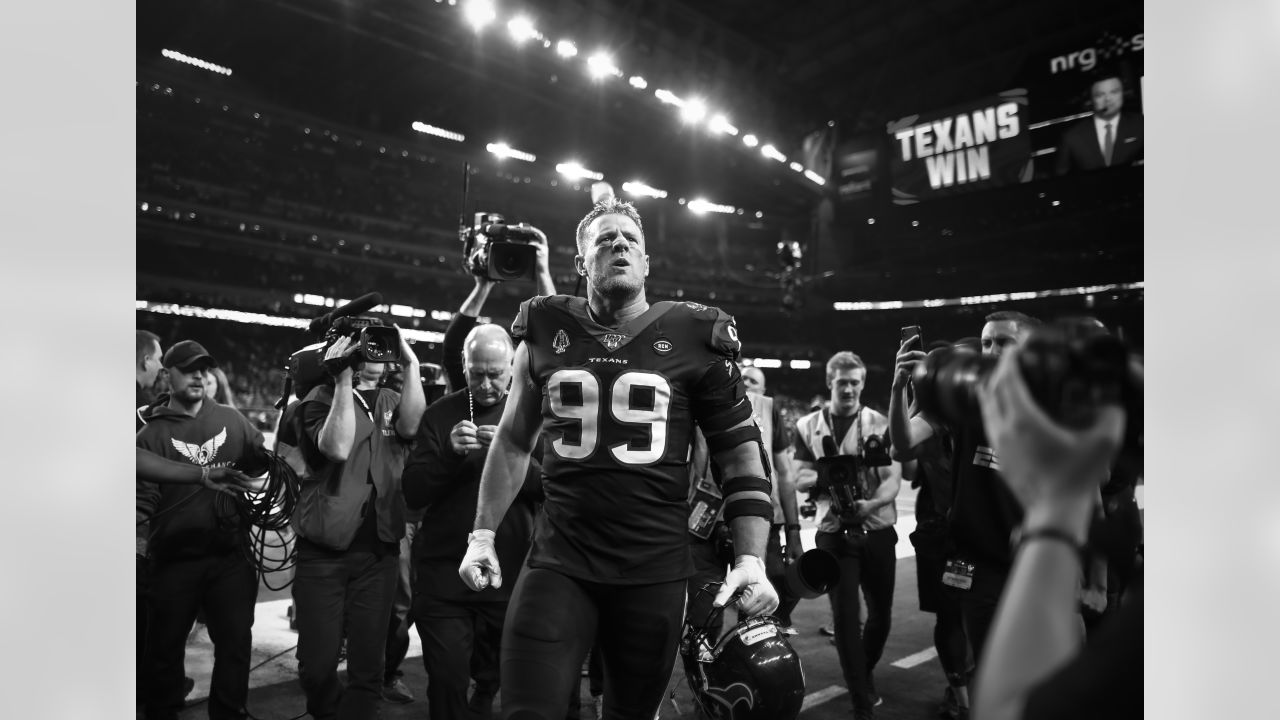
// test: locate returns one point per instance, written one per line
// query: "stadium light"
(600, 65)
(521, 29)
(438, 132)
(772, 153)
(575, 171)
(750, 140)
(796, 166)
(504, 150)
(638, 82)
(693, 110)
(721, 124)
(197, 62)
(479, 13)
(801, 364)
(701, 205)
(566, 49)
(639, 189)
(767, 363)
(668, 97)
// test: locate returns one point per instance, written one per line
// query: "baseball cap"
(185, 354)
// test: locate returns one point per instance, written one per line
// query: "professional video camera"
(375, 342)
(839, 475)
(497, 251)
(1071, 366)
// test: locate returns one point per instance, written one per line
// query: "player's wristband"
(1021, 536)
(485, 535)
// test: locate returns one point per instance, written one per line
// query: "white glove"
(758, 596)
(479, 568)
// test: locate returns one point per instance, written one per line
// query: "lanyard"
(367, 410)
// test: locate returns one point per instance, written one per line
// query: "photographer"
(859, 534)
(1035, 667)
(349, 521)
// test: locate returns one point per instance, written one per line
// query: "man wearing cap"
(197, 557)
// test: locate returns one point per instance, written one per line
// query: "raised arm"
(412, 400)
(338, 433)
(906, 432)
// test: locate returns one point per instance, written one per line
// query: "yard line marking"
(823, 695)
(919, 658)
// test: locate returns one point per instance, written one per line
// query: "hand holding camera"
(337, 358)
(906, 360)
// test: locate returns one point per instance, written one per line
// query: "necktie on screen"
(1108, 144)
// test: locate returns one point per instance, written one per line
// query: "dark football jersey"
(619, 407)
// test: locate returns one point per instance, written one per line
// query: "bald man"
(443, 475)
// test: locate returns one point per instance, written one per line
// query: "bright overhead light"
(750, 140)
(521, 29)
(772, 153)
(801, 364)
(566, 49)
(438, 132)
(635, 187)
(796, 166)
(693, 111)
(668, 97)
(575, 171)
(197, 62)
(759, 215)
(815, 177)
(479, 12)
(721, 124)
(504, 150)
(767, 363)
(701, 205)
(600, 65)
(638, 82)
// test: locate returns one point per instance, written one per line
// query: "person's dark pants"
(776, 571)
(448, 630)
(948, 627)
(978, 606)
(712, 559)
(551, 624)
(867, 562)
(401, 609)
(141, 611)
(352, 591)
(225, 586)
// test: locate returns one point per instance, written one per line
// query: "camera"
(376, 342)
(875, 452)
(838, 476)
(497, 251)
(1072, 367)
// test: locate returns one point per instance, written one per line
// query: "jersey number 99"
(574, 394)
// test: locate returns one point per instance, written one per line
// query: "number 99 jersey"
(619, 407)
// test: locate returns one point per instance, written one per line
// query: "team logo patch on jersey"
(560, 342)
(613, 341)
(662, 346)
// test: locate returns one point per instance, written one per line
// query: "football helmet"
(751, 673)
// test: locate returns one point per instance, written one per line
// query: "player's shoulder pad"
(520, 326)
(722, 337)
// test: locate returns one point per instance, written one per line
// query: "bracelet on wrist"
(792, 526)
(1021, 536)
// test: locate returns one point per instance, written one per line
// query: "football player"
(616, 385)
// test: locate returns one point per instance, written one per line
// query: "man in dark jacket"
(197, 541)
(443, 474)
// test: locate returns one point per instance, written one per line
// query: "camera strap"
(856, 427)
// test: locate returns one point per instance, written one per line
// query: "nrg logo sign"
(1108, 46)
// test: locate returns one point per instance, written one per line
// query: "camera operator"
(197, 545)
(1034, 666)
(983, 512)
(349, 521)
(860, 536)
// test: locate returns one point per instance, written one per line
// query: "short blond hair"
(609, 206)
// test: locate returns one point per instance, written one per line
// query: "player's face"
(846, 389)
(151, 365)
(488, 372)
(187, 385)
(613, 256)
(1108, 97)
(1000, 335)
(753, 378)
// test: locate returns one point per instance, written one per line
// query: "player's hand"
(1093, 599)
(905, 362)
(748, 575)
(463, 437)
(485, 433)
(479, 568)
(795, 548)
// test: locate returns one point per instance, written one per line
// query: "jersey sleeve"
(520, 326)
(720, 397)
